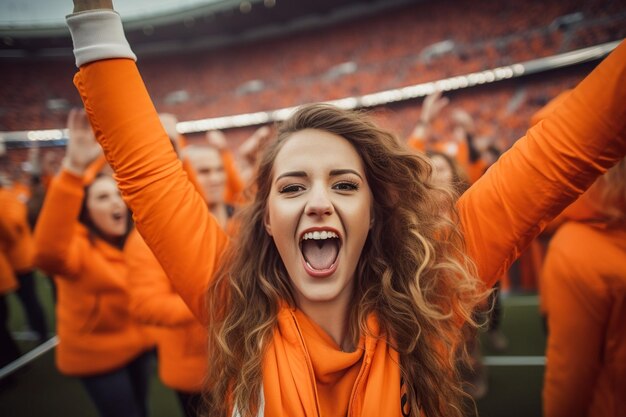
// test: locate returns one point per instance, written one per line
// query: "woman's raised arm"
(168, 211)
(548, 169)
(56, 246)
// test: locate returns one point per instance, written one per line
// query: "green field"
(39, 390)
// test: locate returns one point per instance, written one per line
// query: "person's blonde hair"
(413, 275)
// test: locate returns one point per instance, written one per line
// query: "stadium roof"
(36, 28)
(38, 14)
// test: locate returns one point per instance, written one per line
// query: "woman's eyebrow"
(336, 172)
(300, 174)
(333, 173)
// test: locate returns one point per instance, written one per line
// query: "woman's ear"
(266, 223)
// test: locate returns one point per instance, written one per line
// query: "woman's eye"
(346, 186)
(293, 188)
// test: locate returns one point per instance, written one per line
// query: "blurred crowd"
(63, 215)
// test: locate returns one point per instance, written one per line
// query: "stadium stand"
(427, 41)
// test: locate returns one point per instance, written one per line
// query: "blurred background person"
(585, 303)
(80, 235)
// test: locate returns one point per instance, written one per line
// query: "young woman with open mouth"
(79, 238)
(352, 272)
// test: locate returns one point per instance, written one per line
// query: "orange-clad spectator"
(420, 136)
(234, 186)
(344, 291)
(20, 256)
(461, 146)
(585, 289)
(9, 235)
(181, 338)
(79, 239)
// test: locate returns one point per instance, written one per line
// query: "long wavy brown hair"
(413, 274)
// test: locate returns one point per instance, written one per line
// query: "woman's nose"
(319, 203)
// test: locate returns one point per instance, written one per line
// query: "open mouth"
(117, 216)
(320, 249)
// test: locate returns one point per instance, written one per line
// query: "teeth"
(320, 235)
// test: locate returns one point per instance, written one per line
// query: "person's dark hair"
(413, 275)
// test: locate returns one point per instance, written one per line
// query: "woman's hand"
(253, 146)
(82, 148)
(83, 5)
(216, 139)
(433, 104)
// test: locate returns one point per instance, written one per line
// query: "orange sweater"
(500, 214)
(181, 339)
(585, 278)
(96, 333)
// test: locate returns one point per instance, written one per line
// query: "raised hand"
(463, 120)
(251, 148)
(82, 148)
(433, 104)
(216, 139)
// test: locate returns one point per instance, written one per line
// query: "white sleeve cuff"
(98, 34)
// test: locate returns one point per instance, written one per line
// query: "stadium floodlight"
(51, 134)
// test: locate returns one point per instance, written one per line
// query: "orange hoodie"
(96, 333)
(181, 339)
(584, 278)
(500, 214)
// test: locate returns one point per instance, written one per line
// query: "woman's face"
(318, 213)
(106, 207)
(442, 174)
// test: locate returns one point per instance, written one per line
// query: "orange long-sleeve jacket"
(181, 339)
(584, 278)
(96, 332)
(500, 214)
